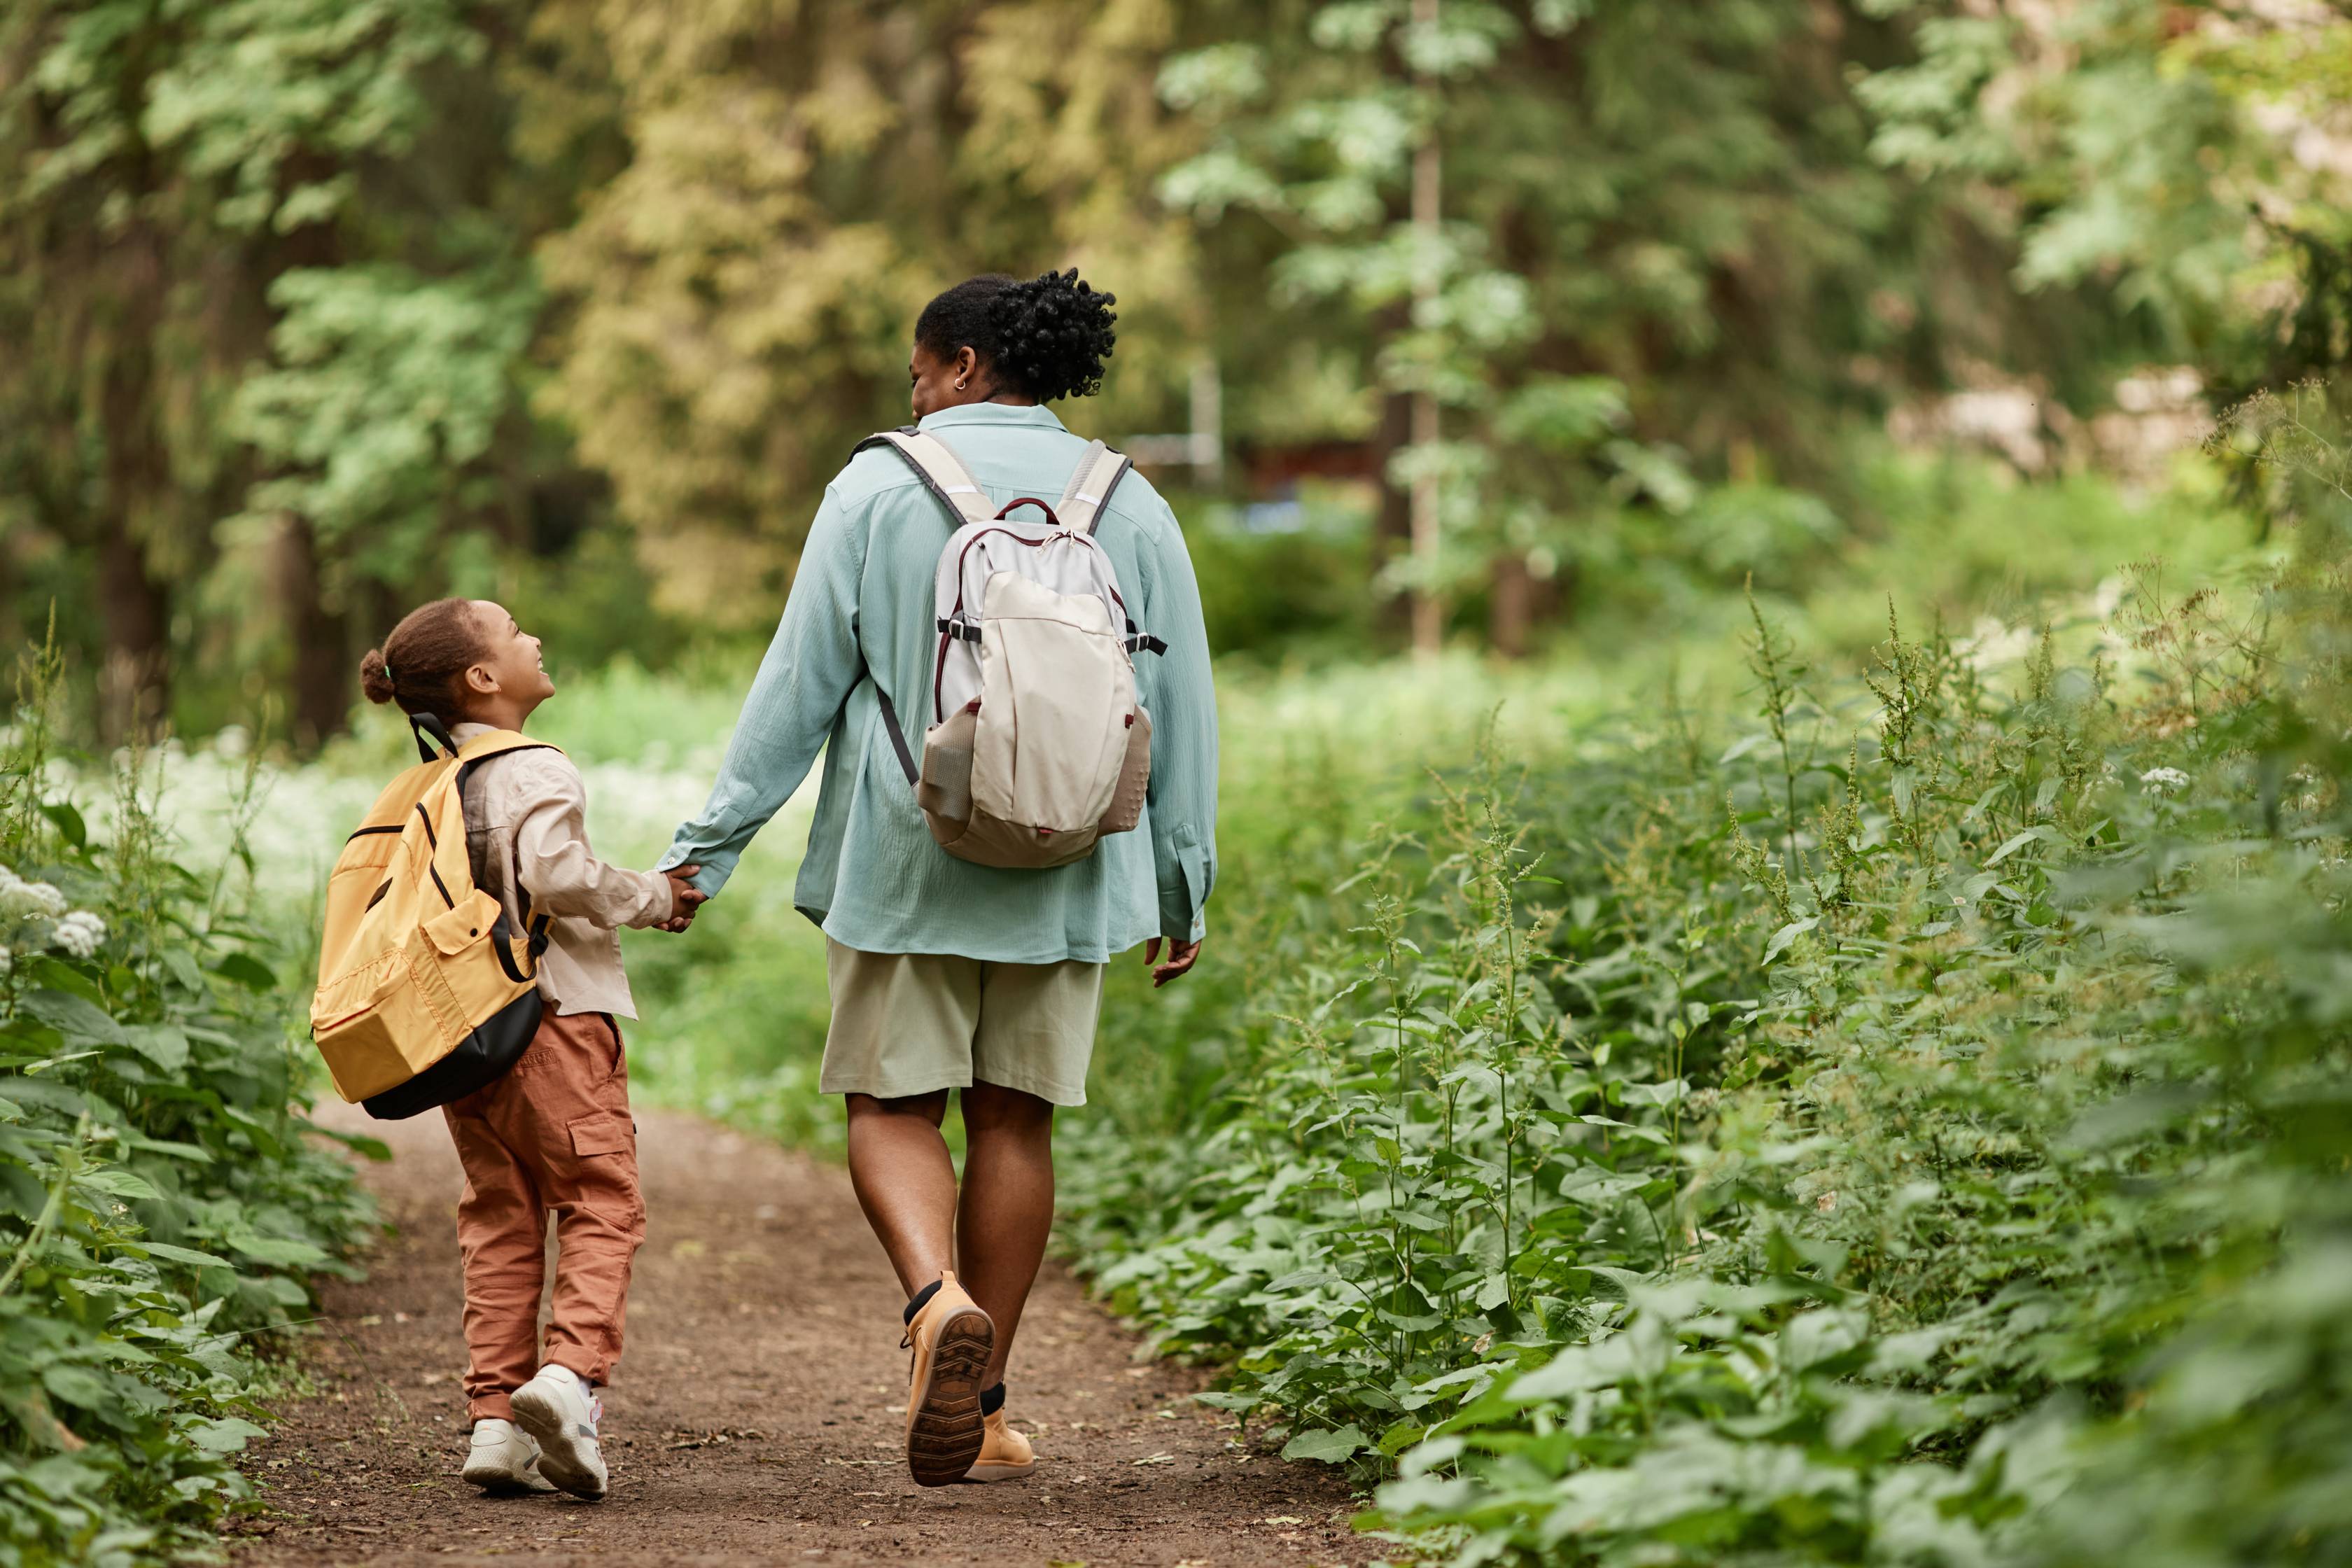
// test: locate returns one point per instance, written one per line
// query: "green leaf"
(77, 1385)
(165, 1044)
(1787, 934)
(282, 1252)
(246, 970)
(68, 823)
(187, 1255)
(80, 1021)
(228, 1435)
(1330, 1448)
(1239, 1403)
(2018, 842)
(43, 970)
(184, 968)
(115, 1182)
(1303, 1280)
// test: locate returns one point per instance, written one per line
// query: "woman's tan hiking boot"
(951, 1339)
(1004, 1455)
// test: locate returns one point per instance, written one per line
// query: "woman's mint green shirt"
(873, 878)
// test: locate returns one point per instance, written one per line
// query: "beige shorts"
(912, 1023)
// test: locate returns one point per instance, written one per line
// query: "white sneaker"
(502, 1460)
(561, 1410)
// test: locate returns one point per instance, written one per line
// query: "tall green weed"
(160, 1204)
(1902, 1126)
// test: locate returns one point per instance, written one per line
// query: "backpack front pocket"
(1055, 690)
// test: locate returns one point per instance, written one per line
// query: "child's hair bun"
(375, 677)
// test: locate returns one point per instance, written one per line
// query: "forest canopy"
(320, 309)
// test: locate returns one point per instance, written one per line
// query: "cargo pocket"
(604, 1159)
(603, 1133)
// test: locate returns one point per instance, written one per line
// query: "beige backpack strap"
(474, 753)
(941, 471)
(1088, 491)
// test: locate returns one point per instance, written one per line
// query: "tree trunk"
(135, 685)
(324, 661)
(134, 608)
(1428, 605)
(1393, 528)
(1511, 606)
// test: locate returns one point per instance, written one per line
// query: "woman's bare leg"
(906, 1182)
(1007, 1208)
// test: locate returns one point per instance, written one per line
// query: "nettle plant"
(1946, 1132)
(160, 1206)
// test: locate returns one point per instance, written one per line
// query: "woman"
(944, 974)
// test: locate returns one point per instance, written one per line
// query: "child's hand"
(685, 898)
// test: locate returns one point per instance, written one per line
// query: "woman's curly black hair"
(1044, 339)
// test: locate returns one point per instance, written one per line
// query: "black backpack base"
(480, 1059)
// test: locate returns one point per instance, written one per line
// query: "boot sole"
(557, 1450)
(945, 1428)
(984, 1473)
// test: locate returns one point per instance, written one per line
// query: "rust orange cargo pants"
(554, 1136)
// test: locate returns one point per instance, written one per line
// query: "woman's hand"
(685, 898)
(1181, 955)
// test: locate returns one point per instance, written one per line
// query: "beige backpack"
(1036, 746)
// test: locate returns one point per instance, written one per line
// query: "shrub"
(160, 1205)
(1905, 1127)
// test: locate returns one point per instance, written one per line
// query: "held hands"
(685, 898)
(1181, 955)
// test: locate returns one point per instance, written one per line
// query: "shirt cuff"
(1184, 896)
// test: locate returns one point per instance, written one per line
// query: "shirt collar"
(1037, 416)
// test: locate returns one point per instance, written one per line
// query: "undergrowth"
(160, 1210)
(1905, 1126)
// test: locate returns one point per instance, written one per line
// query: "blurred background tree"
(320, 310)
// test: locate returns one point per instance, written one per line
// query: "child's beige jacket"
(527, 828)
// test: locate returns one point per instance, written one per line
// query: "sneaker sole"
(506, 1483)
(558, 1455)
(945, 1429)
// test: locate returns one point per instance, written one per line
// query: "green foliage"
(800, 181)
(160, 1203)
(1901, 1129)
(321, 309)
(387, 392)
(2149, 143)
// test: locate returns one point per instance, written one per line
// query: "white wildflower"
(2161, 780)
(79, 933)
(21, 900)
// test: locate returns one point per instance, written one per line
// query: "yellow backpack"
(424, 996)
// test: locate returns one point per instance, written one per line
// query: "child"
(554, 1135)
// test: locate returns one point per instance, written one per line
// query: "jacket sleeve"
(1183, 705)
(553, 864)
(809, 671)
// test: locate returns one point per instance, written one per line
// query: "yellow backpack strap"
(474, 753)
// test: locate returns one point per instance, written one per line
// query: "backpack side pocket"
(1134, 779)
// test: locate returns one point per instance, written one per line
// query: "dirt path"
(750, 1420)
